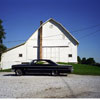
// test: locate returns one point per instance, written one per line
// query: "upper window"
(51, 26)
(20, 55)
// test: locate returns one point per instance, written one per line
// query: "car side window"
(42, 62)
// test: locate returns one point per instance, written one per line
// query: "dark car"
(41, 66)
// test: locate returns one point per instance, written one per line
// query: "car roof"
(42, 60)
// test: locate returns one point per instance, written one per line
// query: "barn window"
(20, 55)
(70, 55)
(51, 26)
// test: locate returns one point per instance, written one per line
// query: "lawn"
(5, 70)
(83, 69)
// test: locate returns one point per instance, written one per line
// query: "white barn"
(57, 44)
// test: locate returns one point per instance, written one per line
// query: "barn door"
(51, 53)
(56, 54)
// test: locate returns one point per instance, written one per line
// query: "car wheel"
(50, 74)
(18, 72)
(58, 73)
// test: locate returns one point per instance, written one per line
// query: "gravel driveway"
(32, 86)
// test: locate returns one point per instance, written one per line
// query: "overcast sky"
(81, 17)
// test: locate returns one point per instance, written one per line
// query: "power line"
(89, 34)
(76, 30)
(86, 28)
(13, 41)
(60, 34)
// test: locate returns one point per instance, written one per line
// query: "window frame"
(20, 55)
(70, 55)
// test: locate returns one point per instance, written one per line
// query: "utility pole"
(39, 52)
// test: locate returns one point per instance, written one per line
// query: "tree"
(2, 49)
(83, 60)
(2, 33)
(2, 36)
(79, 60)
(90, 61)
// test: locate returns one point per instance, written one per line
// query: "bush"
(90, 61)
(79, 60)
(83, 61)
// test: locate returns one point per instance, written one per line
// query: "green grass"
(82, 69)
(5, 70)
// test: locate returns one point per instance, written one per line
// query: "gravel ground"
(32, 86)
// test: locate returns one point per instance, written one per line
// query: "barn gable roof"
(14, 47)
(51, 19)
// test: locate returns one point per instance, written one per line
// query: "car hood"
(65, 65)
(20, 65)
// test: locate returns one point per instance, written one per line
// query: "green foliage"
(2, 36)
(79, 60)
(90, 61)
(5, 70)
(97, 64)
(83, 61)
(2, 49)
(2, 33)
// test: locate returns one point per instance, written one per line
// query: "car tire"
(50, 74)
(58, 73)
(18, 72)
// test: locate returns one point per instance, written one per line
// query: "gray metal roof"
(14, 47)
